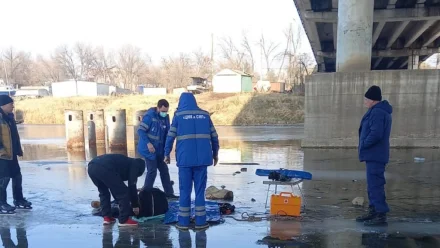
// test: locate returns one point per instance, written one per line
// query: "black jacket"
(374, 134)
(129, 169)
(10, 146)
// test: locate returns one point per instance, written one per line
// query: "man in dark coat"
(108, 172)
(374, 150)
(10, 148)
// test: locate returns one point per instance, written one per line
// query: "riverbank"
(226, 109)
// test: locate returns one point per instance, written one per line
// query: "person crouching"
(108, 172)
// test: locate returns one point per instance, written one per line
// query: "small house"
(232, 81)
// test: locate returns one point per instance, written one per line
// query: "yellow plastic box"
(285, 204)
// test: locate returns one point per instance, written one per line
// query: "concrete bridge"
(359, 35)
(368, 42)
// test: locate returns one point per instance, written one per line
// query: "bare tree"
(235, 57)
(270, 54)
(248, 48)
(65, 58)
(86, 61)
(48, 70)
(105, 67)
(130, 64)
(16, 66)
(177, 71)
(79, 62)
(202, 64)
(298, 64)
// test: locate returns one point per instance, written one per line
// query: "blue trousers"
(188, 175)
(185, 240)
(376, 186)
(152, 167)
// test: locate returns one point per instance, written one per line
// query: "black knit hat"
(5, 99)
(374, 93)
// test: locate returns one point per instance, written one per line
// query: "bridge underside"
(404, 32)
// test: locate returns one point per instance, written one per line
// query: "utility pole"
(212, 56)
(261, 57)
(4, 68)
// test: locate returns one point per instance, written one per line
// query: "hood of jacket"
(187, 101)
(152, 112)
(385, 106)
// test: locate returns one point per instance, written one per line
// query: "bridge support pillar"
(355, 30)
(413, 62)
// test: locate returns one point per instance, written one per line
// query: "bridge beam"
(420, 30)
(391, 53)
(432, 35)
(377, 32)
(382, 15)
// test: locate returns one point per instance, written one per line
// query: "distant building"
(155, 91)
(85, 88)
(179, 91)
(232, 81)
(32, 93)
(198, 85)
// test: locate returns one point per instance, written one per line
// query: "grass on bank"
(227, 109)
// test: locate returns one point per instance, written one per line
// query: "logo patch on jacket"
(189, 117)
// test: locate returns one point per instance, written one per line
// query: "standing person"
(152, 135)
(10, 148)
(197, 146)
(108, 172)
(374, 150)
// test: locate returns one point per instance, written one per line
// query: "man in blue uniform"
(152, 135)
(374, 150)
(196, 149)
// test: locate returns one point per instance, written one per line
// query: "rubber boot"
(369, 216)
(378, 220)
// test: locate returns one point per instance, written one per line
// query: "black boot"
(5, 208)
(378, 220)
(23, 204)
(369, 216)
(172, 197)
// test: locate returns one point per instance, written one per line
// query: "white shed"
(155, 91)
(79, 88)
(232, 81)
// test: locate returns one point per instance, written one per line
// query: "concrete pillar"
(76, 156)
(116, 124)
(97, 116)
(74, 123)
(91, 134)
(100, 150)
(137, 119)
(354, 39)
(19, 116)
(92, 153)
(91, 137)
(413, 62)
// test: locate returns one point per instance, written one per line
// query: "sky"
(161, 28)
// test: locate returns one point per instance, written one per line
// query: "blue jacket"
(374, 134)
(153, 129)
(197, 139)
